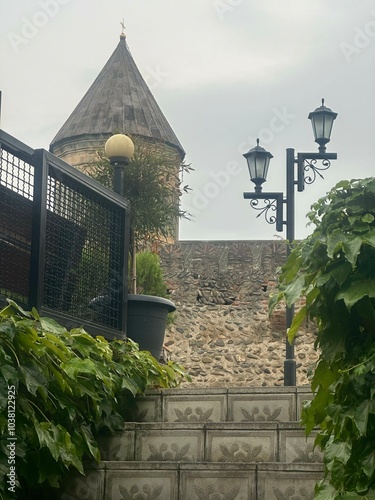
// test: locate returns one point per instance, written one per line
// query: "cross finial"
(123, 28)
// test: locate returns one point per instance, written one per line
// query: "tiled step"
(231, 442)
(199, 481)
(279, 404)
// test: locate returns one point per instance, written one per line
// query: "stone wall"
(222, 333)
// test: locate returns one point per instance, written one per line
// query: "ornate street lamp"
(119, 149)
(322, 121)
(258, 160)
(273, 208)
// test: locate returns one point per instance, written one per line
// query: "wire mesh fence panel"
(84, 253)
(63, 245)
(16, 202)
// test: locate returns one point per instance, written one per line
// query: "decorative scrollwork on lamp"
(311, 170)
(270, 206)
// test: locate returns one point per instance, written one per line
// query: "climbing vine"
(334, 271)
(59, 391)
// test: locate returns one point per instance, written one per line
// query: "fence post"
(38, 231)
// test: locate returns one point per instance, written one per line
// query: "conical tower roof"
(119, 100)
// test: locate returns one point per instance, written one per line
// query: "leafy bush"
(67, 387)
(153, 187)
(334, 269)
(152, 183)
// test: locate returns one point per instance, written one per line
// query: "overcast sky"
(224, 72)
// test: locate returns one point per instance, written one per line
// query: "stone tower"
(119, 100)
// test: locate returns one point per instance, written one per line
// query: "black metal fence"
(63, 241)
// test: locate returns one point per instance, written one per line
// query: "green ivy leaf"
(338, 450)
(356, 291)
(50, 325)
(15, 308)
(76, 366)
(360, 416)
(56, 346)
(368, 465)
(298, 319)
(90, 442)
(8, 329)
(341, 272)
(362, 486)
(324, 375)
(368, 218)
(34, 378)
(335, 242)
(291, 267)
(369, 237)
(46, 438)
(27, 340)
(86, 387)
(131, 385)
(9, 373)
(325, 492)
(351, 248)
(294, 290)
(275, 298)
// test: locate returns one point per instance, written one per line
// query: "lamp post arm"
(273, 202)
(307, 163)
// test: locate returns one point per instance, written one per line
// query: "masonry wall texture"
(222, 333)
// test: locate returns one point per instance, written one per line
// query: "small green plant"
(150, 280)
(59, 390)
(334, 270)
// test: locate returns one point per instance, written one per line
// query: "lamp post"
(119, 149)
(305, 166)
